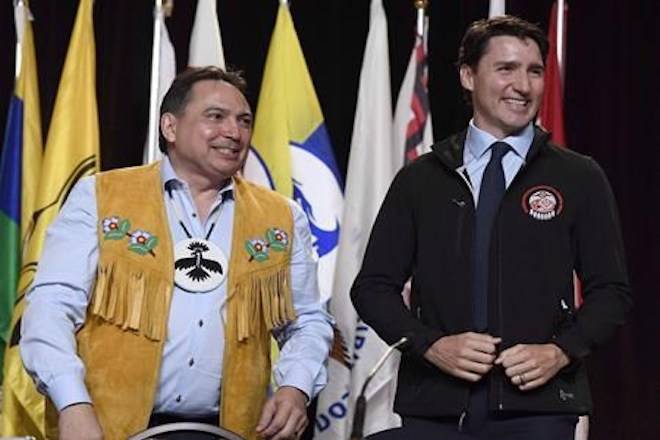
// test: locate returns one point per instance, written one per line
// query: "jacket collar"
(450, 150)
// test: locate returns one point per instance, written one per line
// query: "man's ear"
(467, 77)
(168, 127)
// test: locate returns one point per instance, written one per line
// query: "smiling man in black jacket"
(491, 226)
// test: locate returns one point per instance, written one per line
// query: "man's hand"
(284, 416)
(79, 422)
(467, 355)
(531, 365)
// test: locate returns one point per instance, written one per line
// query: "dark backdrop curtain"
(610, 105)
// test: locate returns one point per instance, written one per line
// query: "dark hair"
(480, 32)
(178, 95)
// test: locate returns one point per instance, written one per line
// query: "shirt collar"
(169, 180)
(167, 173)
(478, 140)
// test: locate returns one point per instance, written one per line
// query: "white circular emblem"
(542, 203)
(199, 265)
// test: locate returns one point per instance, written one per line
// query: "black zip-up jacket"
(558, 215)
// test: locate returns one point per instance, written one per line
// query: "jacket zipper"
(462, 419)
(500, 312)
(460, 171)
(465, 412)
(500, 308)
(468, 186)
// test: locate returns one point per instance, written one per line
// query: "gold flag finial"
(421, 4)
(168, 7)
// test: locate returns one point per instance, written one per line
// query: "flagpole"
(560, 38)
(421, 10)
(168, 6)
(496, 8)
(153, 91)
(19, 20)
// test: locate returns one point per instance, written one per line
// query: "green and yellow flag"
(19, 168)
(72, 152)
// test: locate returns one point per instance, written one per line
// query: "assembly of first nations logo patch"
(542, 202)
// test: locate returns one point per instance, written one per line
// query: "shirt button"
(200, 323)
(178, 398)
(194, 214)
(191, 362)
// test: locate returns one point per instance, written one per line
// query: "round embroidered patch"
(199, 265)
(542, 202)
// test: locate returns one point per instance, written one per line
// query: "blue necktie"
(490, 194)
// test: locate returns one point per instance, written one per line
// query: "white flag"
(163, 71)
(205, 40)
(371, 168)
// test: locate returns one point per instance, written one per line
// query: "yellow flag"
(288, 109)
(72, 152)
(293, 146)
(27, 89)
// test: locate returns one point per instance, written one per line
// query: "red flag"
(551, 115)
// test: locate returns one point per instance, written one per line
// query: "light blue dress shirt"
(476, 155)
(191, 369)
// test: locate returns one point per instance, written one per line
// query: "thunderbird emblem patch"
(199, 265)
(542, 202)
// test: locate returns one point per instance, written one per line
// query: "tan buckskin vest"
(122, 340)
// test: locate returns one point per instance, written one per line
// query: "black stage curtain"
(610, 95)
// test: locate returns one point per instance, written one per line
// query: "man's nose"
(229, 128)
(522, 82)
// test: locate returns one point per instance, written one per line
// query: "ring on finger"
(521, 376)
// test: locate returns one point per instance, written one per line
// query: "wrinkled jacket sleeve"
(600, 265)
(387, 265)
